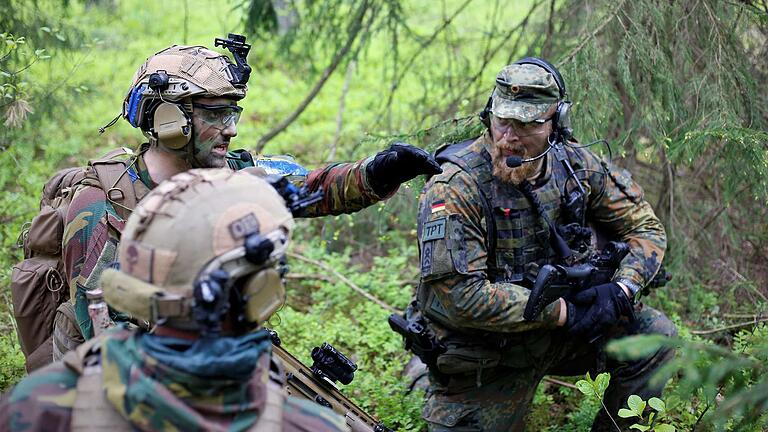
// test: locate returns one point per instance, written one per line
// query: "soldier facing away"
(203, 257)
(184, 100)
(505, 204)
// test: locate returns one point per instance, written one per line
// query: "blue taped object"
(133, 104)
(281, 165)
(132, 174)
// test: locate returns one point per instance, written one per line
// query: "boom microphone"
(516, 161)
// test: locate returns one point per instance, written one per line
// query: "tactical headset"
(561, 122)
(169, 122)
(256, 265)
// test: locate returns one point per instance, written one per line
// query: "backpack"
(38, 283)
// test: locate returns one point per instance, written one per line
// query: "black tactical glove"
(595, 309)
(400, 162)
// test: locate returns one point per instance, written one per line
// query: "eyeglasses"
(522, 129)
(227, 115)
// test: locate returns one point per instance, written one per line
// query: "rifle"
(316, 383)
(555, 281)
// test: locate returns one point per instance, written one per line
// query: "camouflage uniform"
(93, 226)
(473, 290)
(46, 399)
(207, 366)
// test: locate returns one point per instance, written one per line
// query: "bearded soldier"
(184, 100)
(201, 256)
(518, 197)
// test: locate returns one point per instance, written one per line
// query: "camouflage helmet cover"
(195, 218)
(524, 92)
(192, 71)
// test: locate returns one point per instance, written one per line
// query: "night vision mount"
(235, 43)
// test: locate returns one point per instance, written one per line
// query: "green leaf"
(46, 29)
(636, 404)
(657, 404)
(625, 413)
(664, 428)
(585, 387)
(639, 427)
(601, 382)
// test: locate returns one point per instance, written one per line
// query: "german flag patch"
(438, 206)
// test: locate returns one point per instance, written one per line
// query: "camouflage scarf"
(161, 383)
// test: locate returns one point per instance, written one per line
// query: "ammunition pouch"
(462, 357)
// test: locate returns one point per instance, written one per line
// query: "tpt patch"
(433, 230)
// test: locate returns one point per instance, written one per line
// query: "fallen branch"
(730, 327)
(560, 383)
(299, 276)
(346, 281)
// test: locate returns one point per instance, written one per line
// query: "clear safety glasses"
(226, 115)
(521, 129)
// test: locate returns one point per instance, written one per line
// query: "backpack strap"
(111, 171)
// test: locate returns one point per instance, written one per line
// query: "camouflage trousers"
(498, 398)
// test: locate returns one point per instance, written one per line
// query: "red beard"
(499, 155)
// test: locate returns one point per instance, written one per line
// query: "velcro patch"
(433, 230)
(244, 226)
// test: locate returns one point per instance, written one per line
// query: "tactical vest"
(516, 234)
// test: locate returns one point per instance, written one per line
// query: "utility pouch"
(463, 357)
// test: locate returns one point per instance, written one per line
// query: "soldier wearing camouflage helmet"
(184, 100)
(201, 257)
(504, 206)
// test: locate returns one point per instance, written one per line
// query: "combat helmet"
(203, 248)
(159, 101)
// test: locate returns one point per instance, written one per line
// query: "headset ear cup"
(264, 294)
(172, 126)
(562, 120)
(485, 114)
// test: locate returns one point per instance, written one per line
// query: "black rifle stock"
(303, 382)
(555, 281)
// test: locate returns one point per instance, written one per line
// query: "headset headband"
(547, 66)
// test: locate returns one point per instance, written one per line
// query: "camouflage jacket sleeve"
(41, 401)
(91, 234)
(346, 188)
(452, 232)
(618, 208)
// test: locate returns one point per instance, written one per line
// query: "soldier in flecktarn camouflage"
(490, 219)
(184, 100)
(202, 257)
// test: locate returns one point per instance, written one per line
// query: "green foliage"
(330, 311)
(11, 360)
(594, 388)
(637, 408)
(729, 385)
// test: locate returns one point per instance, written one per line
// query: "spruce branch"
(612, 14)
(357, 25)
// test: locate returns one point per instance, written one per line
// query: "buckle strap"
(169, 306)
